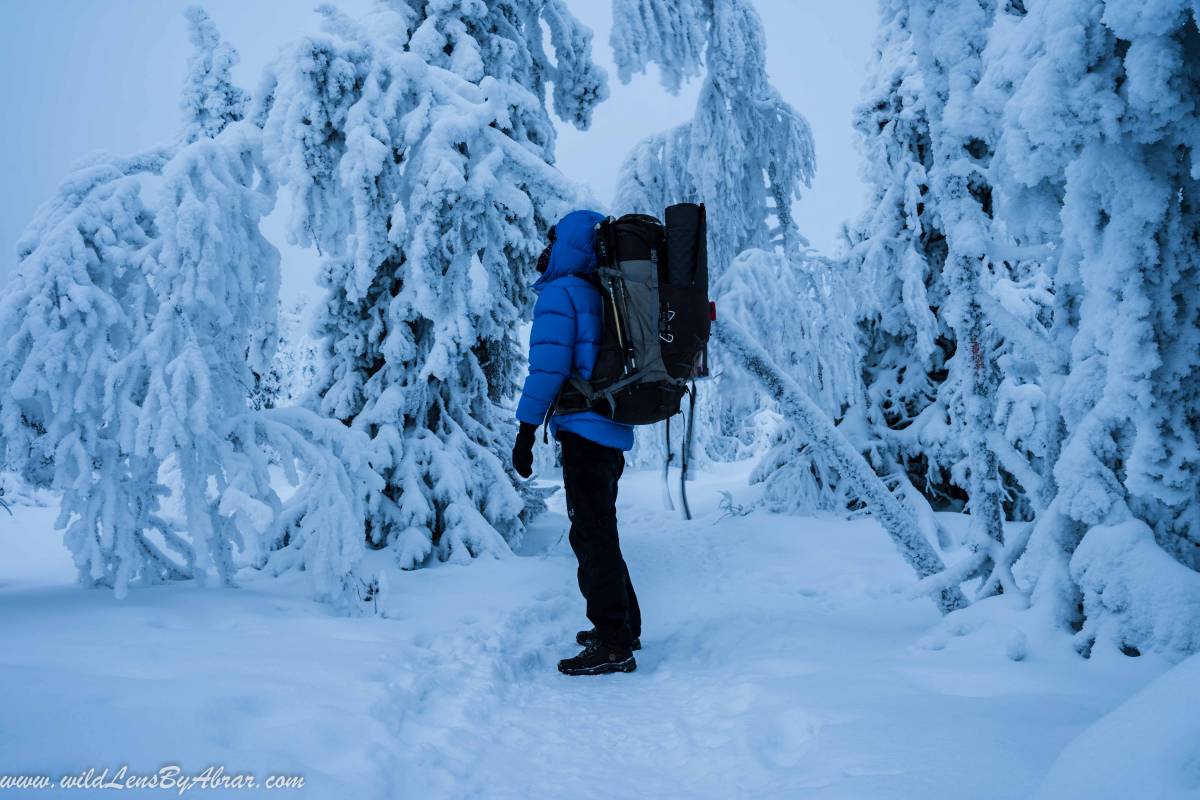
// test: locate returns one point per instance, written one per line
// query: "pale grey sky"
(87, 75)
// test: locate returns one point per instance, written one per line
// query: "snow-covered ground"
(781, 660)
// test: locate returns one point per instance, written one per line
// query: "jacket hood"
(574, 250)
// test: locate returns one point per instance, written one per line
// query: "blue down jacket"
(567, 326)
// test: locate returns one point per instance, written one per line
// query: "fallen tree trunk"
(814, 424)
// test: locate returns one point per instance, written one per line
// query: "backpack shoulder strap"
(574, 391)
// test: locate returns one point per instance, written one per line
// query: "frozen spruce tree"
(746, 154)
(80, 301)
(210, 98)
(417, 148)
(1020, 301)
(79, 235)
(949, 42)
(179, 397)
(1104, 118)
(77, 302)
(132, 328)
(897, 251)
(927, 247)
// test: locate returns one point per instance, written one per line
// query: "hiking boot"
(598, 659)
(586, 638)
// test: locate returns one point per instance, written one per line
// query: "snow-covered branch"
(899, 521)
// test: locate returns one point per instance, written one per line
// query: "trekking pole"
(668, 503)
(687, 448)
(606, 254)
(616, 291)
(611, 283)
(620, 300)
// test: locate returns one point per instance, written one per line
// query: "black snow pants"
(590, 475)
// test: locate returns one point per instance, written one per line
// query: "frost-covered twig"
(729, 508)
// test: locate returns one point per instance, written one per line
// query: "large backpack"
(654, 283)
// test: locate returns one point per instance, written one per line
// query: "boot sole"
(628, 665)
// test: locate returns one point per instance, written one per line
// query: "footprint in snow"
(781, 739)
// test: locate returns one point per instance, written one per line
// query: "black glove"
(522, 458)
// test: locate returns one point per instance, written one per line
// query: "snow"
(781, 660)
(1134, 594)
(1148, 747)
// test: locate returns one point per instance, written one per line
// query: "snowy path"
(779, 662)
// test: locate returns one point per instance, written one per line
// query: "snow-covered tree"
(77, 302)
(1055, 161)
(416, 147)
(129, 327)
(180, 394)
(897, 251)
(217, 281)
(132, 329)
(1019, 300)
(945, 390)
(504, 40)
(210, 98)
(926, 253)
(949, 42)
(1103, 116)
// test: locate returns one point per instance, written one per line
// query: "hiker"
(567, 330)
